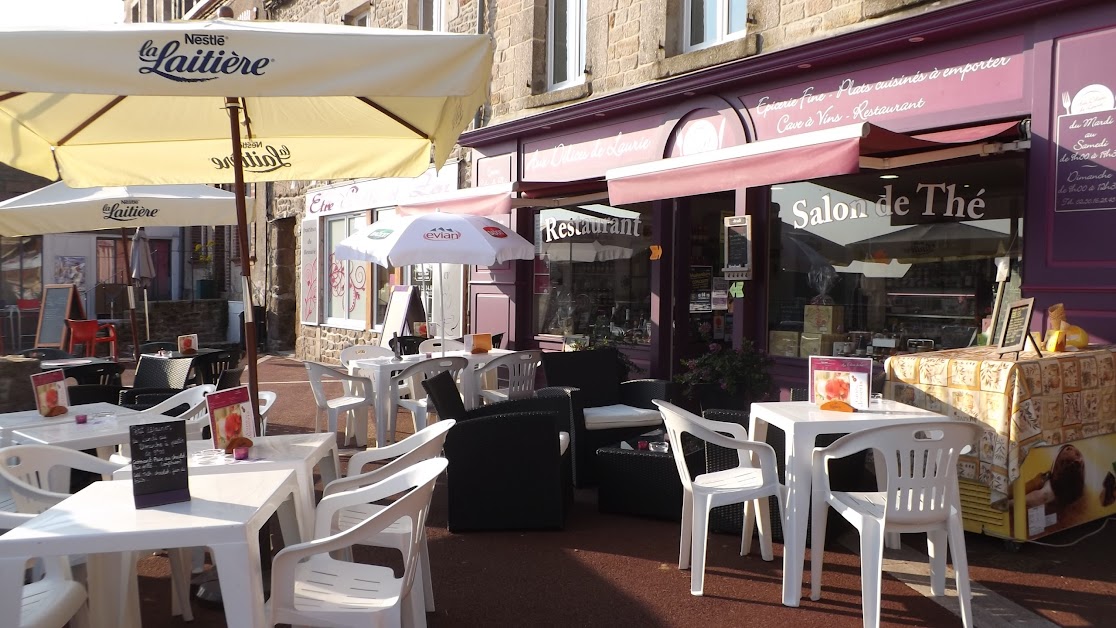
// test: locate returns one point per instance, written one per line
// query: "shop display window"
(892, 261)
(21, 267)
(347, 282)
(593, 272)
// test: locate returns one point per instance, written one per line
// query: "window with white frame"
(431, 17)
(710, 22)
(361, 16)
(565, 43)
(346, 282)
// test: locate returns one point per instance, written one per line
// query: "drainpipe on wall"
(479, 117)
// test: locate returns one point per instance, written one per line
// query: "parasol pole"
(233, 107)
(442, 307)
(131, 295)
(146, 314)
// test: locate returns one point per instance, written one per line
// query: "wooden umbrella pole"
(233, 107)
(131, 295)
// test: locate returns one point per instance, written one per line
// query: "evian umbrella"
(435, 238)
(59, 208)
(223, 101)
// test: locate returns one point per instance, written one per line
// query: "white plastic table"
(11, 421)
(223, 515)
(297, 452)
(94, 434)
(803, 422)
(380, 370)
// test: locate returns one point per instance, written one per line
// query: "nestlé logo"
(202, 65)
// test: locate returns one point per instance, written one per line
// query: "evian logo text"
(127, 210)
(495, 232)
(257, 157)
(442, 234)
(198, 65)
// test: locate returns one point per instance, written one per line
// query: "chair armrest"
(641, 392)
(724, 415)
(132, 395)
(361, 458)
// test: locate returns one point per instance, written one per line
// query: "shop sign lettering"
(554, 229)
(589, 153)
(940, 84)
(939, 200)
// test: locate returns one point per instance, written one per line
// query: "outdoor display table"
(1045, 463)
(644, 482)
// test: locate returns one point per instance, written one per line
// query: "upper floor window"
(360, 17)
(566, 43)
(430, 16)
(709, 22)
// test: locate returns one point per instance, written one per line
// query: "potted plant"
(205, 286)
(727, 378)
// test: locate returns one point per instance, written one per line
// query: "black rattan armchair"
(409, 344)
(94, 393)
(593, 379)
(506, 468)
(106, 374)
(209, 367)
(156, 372)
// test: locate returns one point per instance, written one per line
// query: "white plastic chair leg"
(961, 569)
(871, 570)
(697, 555)
(764, 524)
(936, 545)
(424, 576)
(747, 528)
(684, 542)
(419, 415)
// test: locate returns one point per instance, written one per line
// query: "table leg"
(289, 522)
(11, 582)
(799, 448)
(381, 382)
(241, 580)
(113, 595)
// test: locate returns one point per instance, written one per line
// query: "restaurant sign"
(952, 87)
(1085, 125)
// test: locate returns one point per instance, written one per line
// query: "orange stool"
(85, 333)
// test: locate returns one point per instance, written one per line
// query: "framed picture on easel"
(1017, 327)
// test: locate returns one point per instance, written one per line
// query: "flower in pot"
(727, 378)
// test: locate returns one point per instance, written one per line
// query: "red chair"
(85, 333)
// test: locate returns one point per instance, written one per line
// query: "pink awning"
(489, 200)
(813, 155)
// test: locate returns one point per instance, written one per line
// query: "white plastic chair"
(424, 445)
(196, 416)
(267, 399)
(921, 495)
(416, 403)
(358, 399)
(705, 492)
(308, 586)
(55, 599)
(39, 478)
(363, 352)
(519, 369)
(435, 346)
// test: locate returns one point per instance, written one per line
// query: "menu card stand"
(1017, 329)
(159, 469)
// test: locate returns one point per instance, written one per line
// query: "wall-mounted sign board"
(738, 248)
(59, 302)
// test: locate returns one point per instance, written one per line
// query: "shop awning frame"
(812, 155)
(491, 200)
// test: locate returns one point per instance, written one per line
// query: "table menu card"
(159, 469)
(188, 344)
(50, 392)
(230, 415)
(842, 379)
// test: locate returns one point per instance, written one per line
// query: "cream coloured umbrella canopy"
(223, 101)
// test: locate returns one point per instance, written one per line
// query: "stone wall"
(15, 383)
(208, 318)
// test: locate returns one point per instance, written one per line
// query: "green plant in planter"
(743, 373)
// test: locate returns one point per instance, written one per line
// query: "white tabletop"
(89, 435)
(785, 413)
(225, 516)
(31, 418)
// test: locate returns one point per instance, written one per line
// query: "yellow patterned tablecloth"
(1030, 401)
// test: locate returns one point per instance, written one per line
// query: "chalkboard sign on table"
(1017, 327)
(738, 247)
(59, 302)
(159, 469)
(404, 306)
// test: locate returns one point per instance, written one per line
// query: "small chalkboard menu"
(404, 306)
(59, 302)
(159, 469)
(738, 247)
(1017, 326)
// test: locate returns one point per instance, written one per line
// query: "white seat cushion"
(620, 415)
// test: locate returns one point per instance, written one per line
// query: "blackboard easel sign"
(1017, 328)
(404, 307)
(738, 248)
(59, 302)
(159, 469)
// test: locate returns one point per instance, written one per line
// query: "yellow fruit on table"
(1076, 337)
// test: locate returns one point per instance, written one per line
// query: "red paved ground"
(607, 570)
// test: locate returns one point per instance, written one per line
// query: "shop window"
(111, 264)
(21, 269)
(710, 22)
(565, 43)
(593, 272)
(886, 262)
(346, 282)
(430, 16)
